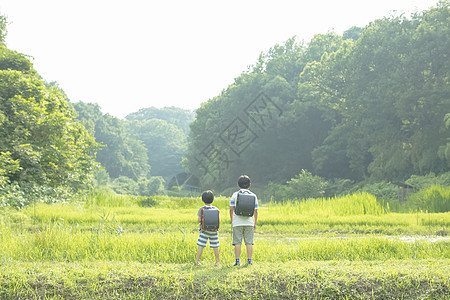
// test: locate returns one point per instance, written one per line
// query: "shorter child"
(213, 236)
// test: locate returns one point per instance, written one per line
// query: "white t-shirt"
(241, 220)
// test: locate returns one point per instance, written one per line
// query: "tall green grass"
(274, 220)
(58, 242)
(354, 214)
(108, 198)
(349, 205)
(125, 247)
(433, 199)
(100, 229)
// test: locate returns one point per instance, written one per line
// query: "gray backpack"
(245, 204)
(210, 218)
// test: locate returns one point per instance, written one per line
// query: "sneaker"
(236, 264)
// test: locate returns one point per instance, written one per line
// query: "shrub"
(147, 202)
(25, 193)
(383, 191)
(348, 205)
(338, 187)
(303, 186)
(125, 186)
(423, 182)
(433, 199)
(101, 178)
(152, 186)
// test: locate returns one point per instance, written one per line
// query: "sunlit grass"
(109, 240)
(348, 205)
(170, 214)
(131, 247)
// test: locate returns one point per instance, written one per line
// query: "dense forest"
(372, 105)
(140, 154)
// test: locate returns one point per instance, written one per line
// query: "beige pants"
(245, 232)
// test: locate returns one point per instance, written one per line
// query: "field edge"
(390, 279)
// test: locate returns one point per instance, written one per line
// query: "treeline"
(306, 120)
(51, 149)
(138, 155)
(370, 105)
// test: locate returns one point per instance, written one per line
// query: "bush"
(348, 205)
(423, 182)
(8, 166)
(125, 186)
(434, 199)
(338, 187)
(152, 186)
(147, 202)
(101, 178)
(25, 193)
(144, 187)
(303, 186)
(382, 190)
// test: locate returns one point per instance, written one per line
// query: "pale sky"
(133, 54)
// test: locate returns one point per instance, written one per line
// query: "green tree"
(367, 105)
(305, 186)
(386, 94)
(39, 129)
(8, 166)
(121, 154)
(165, 144)
(181, 118)
(231, 129)
(352, 33)
(321, 89)
(399, 91)
(125, 185)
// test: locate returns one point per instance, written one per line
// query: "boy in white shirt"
(243, 226)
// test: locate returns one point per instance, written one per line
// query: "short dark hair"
(244, 182)
(208, 197)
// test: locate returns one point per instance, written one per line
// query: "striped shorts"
(213, 237)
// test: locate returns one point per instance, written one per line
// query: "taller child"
(243, 227)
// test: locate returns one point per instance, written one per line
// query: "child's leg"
(248, 238)
(199, 254)
(202, 240)
(216, 254)
(215, 244)
(237, 251)
(249, 251)
(237, 240)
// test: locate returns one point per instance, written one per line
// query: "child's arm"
(231, 213)
(199, 215)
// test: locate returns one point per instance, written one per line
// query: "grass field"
(118, 247)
